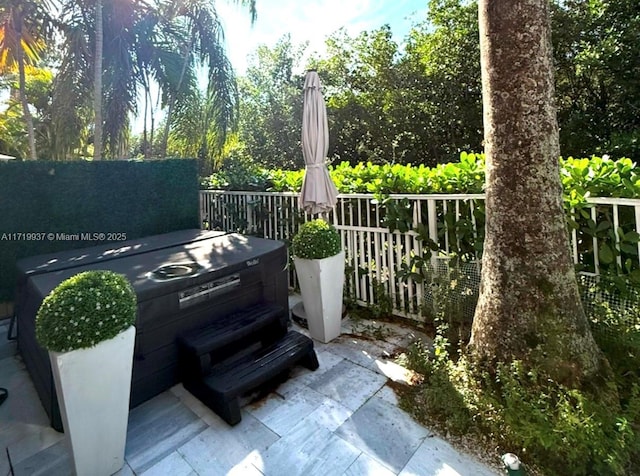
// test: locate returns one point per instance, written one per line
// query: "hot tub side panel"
(164, 309)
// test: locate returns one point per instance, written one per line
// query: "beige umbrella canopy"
(319, 193)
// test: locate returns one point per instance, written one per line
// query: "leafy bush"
(238, 174)
(559, 430)
(316, 239)
(600, 177)
(595, 176)
(614, 312)
(463, 232)
(84, 310)
(556, 429)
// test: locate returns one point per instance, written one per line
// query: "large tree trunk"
(97, 85)
(529, 307)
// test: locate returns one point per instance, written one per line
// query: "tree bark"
(529, 306)
(18, 21)
(28, 119)
(173, 98)
(97, 85)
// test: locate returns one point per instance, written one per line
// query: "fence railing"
(379, 261)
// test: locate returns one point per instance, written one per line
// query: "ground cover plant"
(553, 429)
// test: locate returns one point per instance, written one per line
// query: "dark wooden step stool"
(239, 353)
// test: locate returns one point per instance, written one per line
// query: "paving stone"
(22, 417)
(339, 420)
(330, 414)
(349, 384)
(384, 432)
(172, 464)
(53, 461)
(281, 413)
(35, 441)
(125, 471)
(301, 375)
(393, 371)
(8, 348)
(363, 352)
(308, 449)
(334, 458)
(437, 457)
(365, 465)
(387, 394)
(157, 428)
(222, 449)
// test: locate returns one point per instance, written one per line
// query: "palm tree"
(72, 109)
(99, 67)
(23, 29)
(158, 65)
(144, 43)
(204, 46)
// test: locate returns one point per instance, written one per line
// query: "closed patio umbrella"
(319, 193)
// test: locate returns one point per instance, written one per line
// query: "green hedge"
(594, 176)
(135, 199)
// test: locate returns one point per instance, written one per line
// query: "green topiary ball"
(316, 239)
(84, 310)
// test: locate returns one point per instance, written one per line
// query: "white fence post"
(372, 247)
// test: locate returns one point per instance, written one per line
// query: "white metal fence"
(380, 261)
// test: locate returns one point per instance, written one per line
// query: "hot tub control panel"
(205, 291)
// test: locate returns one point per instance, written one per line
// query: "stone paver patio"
(342, 419)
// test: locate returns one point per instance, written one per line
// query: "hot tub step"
(227, 381)
(224, 337)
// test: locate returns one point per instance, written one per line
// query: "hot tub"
(183, 280)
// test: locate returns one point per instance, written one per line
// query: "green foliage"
(559, 430)
(135, 199)
(443, 60)
(596, 47)
(465, 176)
(436, 400)
(564, 431)
(462, 225)
(316, 239)
(422, 103)
(595, 176)
(614, 312)
(271, 106)
(238, 173)
(85, 310)
(603, 177)
(379, 102)
(13, 137)
(600, 177)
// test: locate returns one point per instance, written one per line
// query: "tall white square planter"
(93, 387)
(321, 284)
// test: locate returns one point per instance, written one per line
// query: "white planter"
(93, 387)
(321, 284)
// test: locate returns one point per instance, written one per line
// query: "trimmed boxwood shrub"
(316, 239)
(85, 310)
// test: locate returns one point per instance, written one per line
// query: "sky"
(308, 20)
(312, 21)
